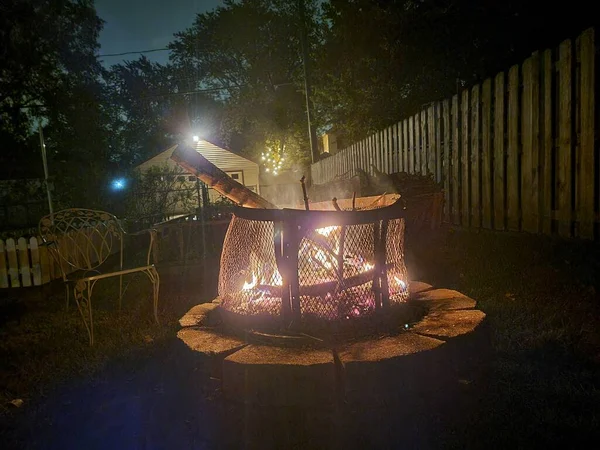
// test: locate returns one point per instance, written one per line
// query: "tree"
(49, 74)
(383, 60)
(150, 110)
(158, 193)
(249, 53)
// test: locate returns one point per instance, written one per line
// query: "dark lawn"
(139, 388)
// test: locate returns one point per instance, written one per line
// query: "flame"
(322, 258)
(326, 231)
(368, 266)
(400, 283)
(251, 285)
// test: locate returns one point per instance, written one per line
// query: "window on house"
(237, 176)
(191, 178)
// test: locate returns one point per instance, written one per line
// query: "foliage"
(147, 114)
(49, 73)
(159, 192)
(249, 52)
(383, 60)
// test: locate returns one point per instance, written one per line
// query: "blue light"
(118, 184)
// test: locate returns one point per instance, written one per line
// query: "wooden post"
(499, 155)
(547, 145)
(565, 148)
(446, 167)
(475, 160)
(512, 163)
(587, 163)
(486, 153)
(465, 180)
(455, 161)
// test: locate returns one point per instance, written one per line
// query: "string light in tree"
(272, 159)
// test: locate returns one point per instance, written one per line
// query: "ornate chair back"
(81, 239)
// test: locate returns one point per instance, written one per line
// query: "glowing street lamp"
(196, 138)
(118, 184)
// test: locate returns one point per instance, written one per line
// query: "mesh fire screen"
(297, 266)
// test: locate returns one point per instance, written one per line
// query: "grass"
(540, 296)
(541, 300)
(43, 344)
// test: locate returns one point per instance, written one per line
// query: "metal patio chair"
(81, 241)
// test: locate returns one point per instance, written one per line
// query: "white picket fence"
(25, 262)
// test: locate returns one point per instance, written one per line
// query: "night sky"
(132, 25)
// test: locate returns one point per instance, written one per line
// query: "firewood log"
(197, 165)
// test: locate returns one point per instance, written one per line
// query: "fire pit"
(304, 272)
(300, 269)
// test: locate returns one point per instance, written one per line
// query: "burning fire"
(251, 285)
(401, 284)
(326, 231)
(341, 278)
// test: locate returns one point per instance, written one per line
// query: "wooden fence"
(24, 262)
(517, 152)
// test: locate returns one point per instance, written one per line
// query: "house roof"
(214, 153)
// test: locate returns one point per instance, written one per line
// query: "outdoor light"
(196, 138)
(118, 184)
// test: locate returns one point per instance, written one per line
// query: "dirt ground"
(542, 388)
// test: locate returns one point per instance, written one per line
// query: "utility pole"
(312, 134)
(45, 162)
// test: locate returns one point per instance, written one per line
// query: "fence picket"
(547, 145)
(24, 263)
(455, 161)
(3, 268)
(512, 163)
(530, 142)
(36, 269)
(585, 168)
(499, 155)
(411, 144)
(405, 144)
(486, 153)
(475, 159)
(446, 166)
(13, 265)
(431, 144)
(565, 149)
(437, 159)
(424, 143)
(465, 180)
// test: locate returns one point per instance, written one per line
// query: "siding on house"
(224, 159)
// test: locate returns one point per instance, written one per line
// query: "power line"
(199, 91)
(135, 53)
